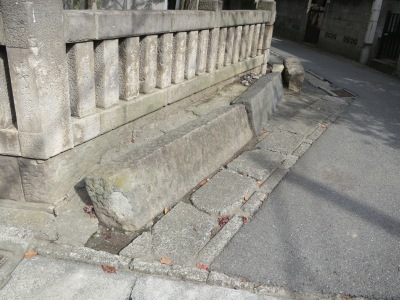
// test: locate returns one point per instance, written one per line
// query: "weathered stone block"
(5, 92)
(270, 6)
(181, 233)
(230, 38)
(237, 44)
(145, 104)
(202, 51)
(86, 128)
(148, 64)
(129, 49)
(191, 54)
(111, 118)
(10, 179)
(179, 54)
(213, 50)
(293, 74)
(261, 99)
(131, 190)
(165, 46)
(224, 193)
(36, 56)
(81, 79)
(221, 48)
(106, 73)
(9, 141)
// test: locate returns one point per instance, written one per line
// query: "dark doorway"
(314, 21)
(390, 40)
(239, 4)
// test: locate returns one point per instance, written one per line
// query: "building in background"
(364, 30)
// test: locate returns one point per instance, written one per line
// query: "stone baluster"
(148, 64)
(106, 73)
(191, 54)
(179, 54)
(202, 52)
(213, 50)
(129, 50)
(237, 44)
(221, 48)
(81, 79)
(268, 31)
(165, 48)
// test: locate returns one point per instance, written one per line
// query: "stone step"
(130, 190)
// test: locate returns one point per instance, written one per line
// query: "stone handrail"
(69, 76)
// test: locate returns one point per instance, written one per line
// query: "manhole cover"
(3, 259)
(343, 93)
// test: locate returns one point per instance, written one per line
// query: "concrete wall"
(291, 19)
(344, 27)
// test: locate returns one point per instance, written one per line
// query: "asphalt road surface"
(333, 224)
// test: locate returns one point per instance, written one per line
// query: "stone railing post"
(34, 38)
(268, 30)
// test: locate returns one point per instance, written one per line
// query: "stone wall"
(344, 27)
(291, 19)
(74, 90)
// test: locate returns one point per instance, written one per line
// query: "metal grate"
(342, 93)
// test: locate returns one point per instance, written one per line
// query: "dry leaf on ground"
(204, 181)
(246, 198)
(323, 125)
(244, 219)
(202, 267)
(165, 261)
(30, 254)
(166, 210)
(223, 220)
(109, 269)
(259, 183)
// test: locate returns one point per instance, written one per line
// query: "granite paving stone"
(224, 193)
(181, 233)
(258, 164)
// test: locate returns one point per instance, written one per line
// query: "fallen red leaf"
(90, 210)
(109, 269)
(107, 235)
(30, 254)
(165, 261)
(202, 267)
(204, 181)
(244, 219)
(223, 220)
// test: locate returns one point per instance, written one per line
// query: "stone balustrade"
(67, 77)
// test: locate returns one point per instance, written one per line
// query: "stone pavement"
(186, 240)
